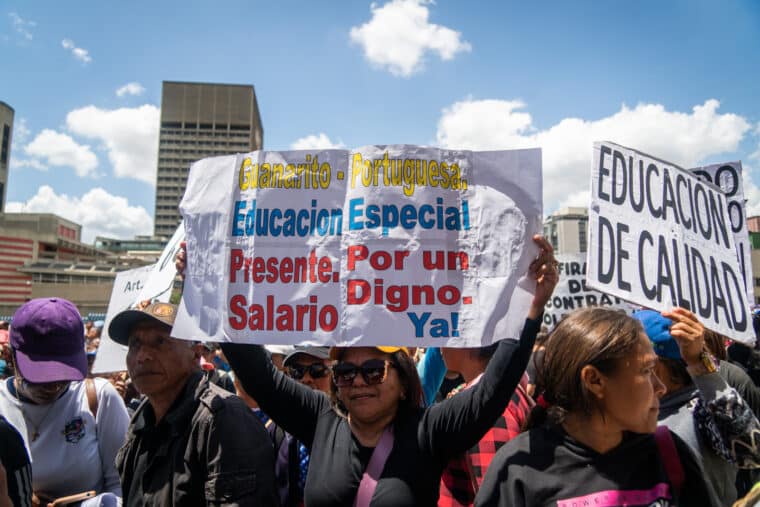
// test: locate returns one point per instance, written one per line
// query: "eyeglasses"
(373, 371)
(316, 370)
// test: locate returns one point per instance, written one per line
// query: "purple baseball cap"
(47, 336)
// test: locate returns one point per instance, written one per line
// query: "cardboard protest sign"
(572, 292)
(728, 176)
(660, 237)
(153, 282)
(126, 288)
(161, 280)
(389, 245)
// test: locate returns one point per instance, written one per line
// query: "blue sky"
(676, 79)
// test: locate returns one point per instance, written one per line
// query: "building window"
(4, 147)
(582, 235)
(757, 282)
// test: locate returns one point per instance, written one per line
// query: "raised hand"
(545, 270)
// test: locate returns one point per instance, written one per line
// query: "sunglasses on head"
(316, 370)
(373, 371)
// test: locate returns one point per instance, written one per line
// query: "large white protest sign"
(126, 288)
(572, 291)
(394, 245)
(660, 237)
(160, 281)
(728, 176)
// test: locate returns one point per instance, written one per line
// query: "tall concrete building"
(199, 120)
(6, 134)
(566, 229)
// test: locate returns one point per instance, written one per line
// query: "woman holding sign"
(698, 405)
(373, 443)
(601, 444)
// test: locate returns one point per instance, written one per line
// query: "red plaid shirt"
(463, 476)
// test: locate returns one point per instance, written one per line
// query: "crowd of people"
(606, 409)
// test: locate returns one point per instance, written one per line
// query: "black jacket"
(547, 467)
(209, 449)
(424, 439)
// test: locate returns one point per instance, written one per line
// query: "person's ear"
(198, 350)
(594, 381)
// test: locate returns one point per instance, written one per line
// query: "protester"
(591, 440)
(376, 413)
(310, 366)
(464, 474)
(207, 352)
(73, 427)
(190, 442)
(15, 469)
(698, 405)
(6, 369)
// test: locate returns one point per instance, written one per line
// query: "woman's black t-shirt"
(424, 439)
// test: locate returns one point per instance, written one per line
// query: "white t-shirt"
(73, 453)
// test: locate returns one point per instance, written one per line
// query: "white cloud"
(20, 133)
(23, 27)
(756, 154)
(133, 88)
(61, 150)
(682, 138)
(99, 213)
(20, 163)
(751, 192)
(20, 136)
(79, 53)
(399, 34)
(315, 142)
(129, 134)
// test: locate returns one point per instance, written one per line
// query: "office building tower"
(6, 133)
(199, 120)
(566, 230)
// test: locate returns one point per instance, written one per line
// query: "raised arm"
(723, 417)
(290, 404)
(454, 425)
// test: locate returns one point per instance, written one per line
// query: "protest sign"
(161, 280)
(660, 237)
(572, 291)
(153, 282)
(728, 176)
(126, 289)
(383, 245)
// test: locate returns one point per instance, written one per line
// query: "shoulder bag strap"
(670, 460)
(374, 468)
(92, 397)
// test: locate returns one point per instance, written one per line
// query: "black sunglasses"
(316, 370)
(373, 371)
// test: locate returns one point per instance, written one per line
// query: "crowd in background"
(606, 409)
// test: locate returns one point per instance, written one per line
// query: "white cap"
(283, 350)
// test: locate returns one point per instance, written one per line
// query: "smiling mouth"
(361, 396)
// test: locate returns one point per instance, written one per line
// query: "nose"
(143, 354)
(360, 379)
(659, 387)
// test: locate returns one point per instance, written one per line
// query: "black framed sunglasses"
(373, 371)
(316, 370)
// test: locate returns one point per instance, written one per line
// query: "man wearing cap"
(72, 428)
(190, 442)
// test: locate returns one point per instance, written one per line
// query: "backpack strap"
(92, 397)
(670, 459)
(374, 468)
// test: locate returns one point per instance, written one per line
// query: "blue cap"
(657, 329)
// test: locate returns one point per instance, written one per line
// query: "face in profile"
(631, 393)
